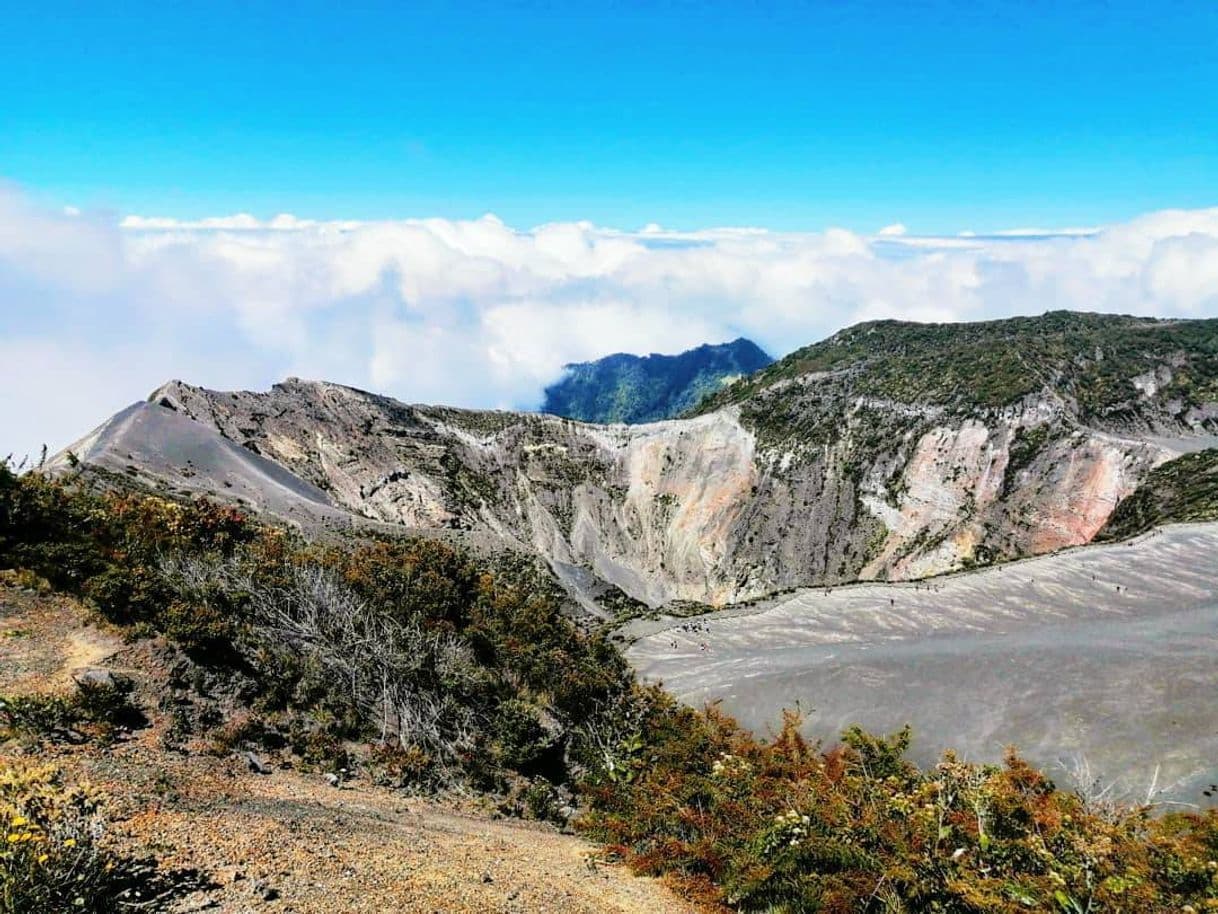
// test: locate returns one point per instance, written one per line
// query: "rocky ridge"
(817, 470)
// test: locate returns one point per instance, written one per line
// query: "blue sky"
(943, 116)
(390, 130)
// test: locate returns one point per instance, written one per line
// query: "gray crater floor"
(1105, 653)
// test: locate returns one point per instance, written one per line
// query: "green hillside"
(631, 388)
(1091, 357)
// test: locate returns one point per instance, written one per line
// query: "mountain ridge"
(839, 473)
(628, 388)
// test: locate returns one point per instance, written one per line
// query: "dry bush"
(97, 710)
(404, 677)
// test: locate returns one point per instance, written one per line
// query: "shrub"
(241, 730)
(202, 630)
(47, 528)
(25, 579)
(317, 740)
(106, 702)
(98, 708)
(127, 594)
(401, 766)
(521, 737)
(51, 716)
(542, 802)
(50, 856)
(783, 826)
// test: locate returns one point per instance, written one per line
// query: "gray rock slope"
(146, 439)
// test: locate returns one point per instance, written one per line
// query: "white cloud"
(95, 313)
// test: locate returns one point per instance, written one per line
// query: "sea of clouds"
(96, 311)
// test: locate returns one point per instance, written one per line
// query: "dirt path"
(84, 649)
(44, 641)
(288, 841)
(322, 850)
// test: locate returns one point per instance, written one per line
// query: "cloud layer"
(96, 312)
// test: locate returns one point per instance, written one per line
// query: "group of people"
(691, 628)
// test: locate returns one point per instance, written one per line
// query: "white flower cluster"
(727, 765)
(790, 830)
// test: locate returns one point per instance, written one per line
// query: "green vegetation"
(1025, 448)
(1180, 491)
(620, 606)
(48, 858)
(98, 709)
(1090, 358)
(484, 423)
(782, 826)
(407, 644)
(625, 608)
(419, 666)
(630, 388)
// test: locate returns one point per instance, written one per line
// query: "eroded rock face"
(964, 500)
(651, 508)
(693, 509)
